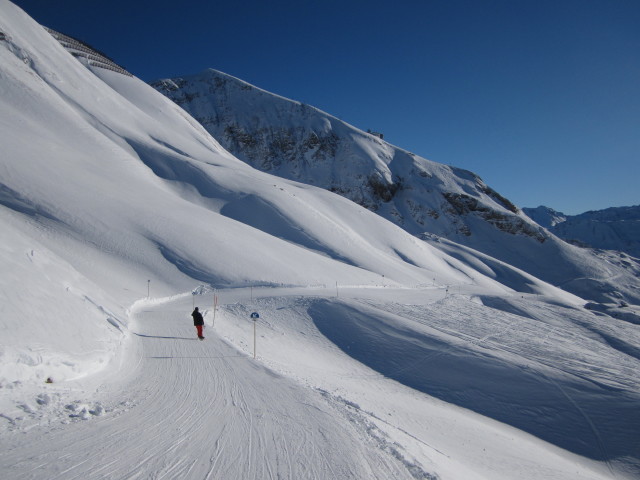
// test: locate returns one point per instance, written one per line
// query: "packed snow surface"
(346, 383)
(375, 354)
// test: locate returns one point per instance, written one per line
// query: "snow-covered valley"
(378, 353)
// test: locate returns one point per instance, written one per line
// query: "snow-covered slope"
(616, 228)
(300, 142)
(109, 175)
(378, 354)
(297, 141)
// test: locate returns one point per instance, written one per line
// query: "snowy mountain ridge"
(545, 216)
(425, 198)
(376, 354)
(300, 142)
(615, 228)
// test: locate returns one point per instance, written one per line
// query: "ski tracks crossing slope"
(203, 411)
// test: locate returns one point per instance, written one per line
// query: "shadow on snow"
(563, 409)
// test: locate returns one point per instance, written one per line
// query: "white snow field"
(377, 355)
(336, 391)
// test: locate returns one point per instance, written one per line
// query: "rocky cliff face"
(299, 142)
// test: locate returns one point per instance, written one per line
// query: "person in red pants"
(198, 321)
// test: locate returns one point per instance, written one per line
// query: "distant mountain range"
(616, 228)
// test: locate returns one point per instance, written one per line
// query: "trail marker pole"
(148, 287)
(254, 317)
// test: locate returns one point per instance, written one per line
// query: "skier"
(198, 321)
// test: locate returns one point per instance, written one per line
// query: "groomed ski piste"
(374, 382)
(375, 354)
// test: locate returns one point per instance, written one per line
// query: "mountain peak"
(298, 142)
(545, 216)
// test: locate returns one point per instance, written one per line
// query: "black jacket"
(197, 318)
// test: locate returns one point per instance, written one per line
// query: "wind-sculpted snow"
(299, 142)
(114, 202)
(256, 212)
(543, 379)
(530, 364)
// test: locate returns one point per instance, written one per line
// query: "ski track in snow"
(108, 188)
(182, 408)
(203, 410)
(525, 335)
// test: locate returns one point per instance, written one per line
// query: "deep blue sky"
(541, 98)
